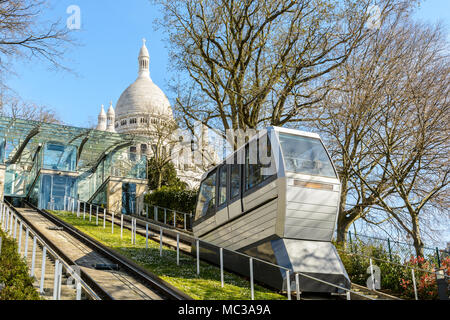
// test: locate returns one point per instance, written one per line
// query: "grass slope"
(207, 286)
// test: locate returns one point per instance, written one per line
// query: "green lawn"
(207, 286)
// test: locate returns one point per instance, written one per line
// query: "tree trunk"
(418, 243)
(159, 184)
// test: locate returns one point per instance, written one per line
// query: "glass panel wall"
(127, 165)
(128, 198)
(2, 150)
(55, 190)
(60, 157)
(15, 181)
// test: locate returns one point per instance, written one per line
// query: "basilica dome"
(143, 102)
(143, 97)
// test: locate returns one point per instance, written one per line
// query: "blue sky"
(106, 62)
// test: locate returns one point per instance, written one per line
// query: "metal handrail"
(178, 232)
(393, 263)
(49, 250)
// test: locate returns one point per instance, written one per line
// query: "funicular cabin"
(276, 198)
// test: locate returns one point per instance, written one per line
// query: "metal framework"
(23, 137)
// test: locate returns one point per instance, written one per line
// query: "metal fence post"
(20, 237)
(146, 236)
(78, 208)
(288, 284)
(78, 290)
(59, 281)
(165, 216)
(104, 218)
(174, 219)
(84, 210)
(90, 212)
(160, 241)
(15, 228)
(33, 257)
(198, 256)
(6, 220)
(389, 248)
(155, 213)
(11, 222)
(25, 254)
(349, 297)
(297, 286)
(178, 249)
(222, 282)
(55, 281)
(252, 289)
(0, 246)
(414, 284)
(44, 254)
(121, 226)
(438, 257)
(185, 221)
(132, 230)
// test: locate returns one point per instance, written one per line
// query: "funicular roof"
(92, 143)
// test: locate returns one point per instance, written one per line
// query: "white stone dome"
(143, 97)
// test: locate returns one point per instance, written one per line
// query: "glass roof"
(27, 135)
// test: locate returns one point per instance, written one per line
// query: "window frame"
(213, 212)
(220, 206)
(245, 192)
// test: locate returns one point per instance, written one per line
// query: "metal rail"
(91, 287)
(167, 230)
(154, 282)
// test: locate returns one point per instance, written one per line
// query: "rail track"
(169, 240)
(128, 281)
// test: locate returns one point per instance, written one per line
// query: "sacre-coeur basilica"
(144, 110)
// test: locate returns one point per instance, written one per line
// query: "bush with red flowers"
(425, 279)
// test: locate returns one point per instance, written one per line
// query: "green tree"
(162, 174)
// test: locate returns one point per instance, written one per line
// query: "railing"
(87, 210)
(414, 270)
(168, 216)
(9, 222)
(402, 249)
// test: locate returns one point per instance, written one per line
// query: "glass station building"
(54, 165)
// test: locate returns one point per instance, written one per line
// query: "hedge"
(15, 282)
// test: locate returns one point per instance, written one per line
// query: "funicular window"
(235, 180)
(207, 196)
(306, 155)
(223, 185)
(257, 165)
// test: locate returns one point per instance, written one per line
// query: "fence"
(87, 211)
(181, 220)
(18, 229)
(403, 250)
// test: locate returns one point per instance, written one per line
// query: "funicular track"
(129, 281)
(169, 240)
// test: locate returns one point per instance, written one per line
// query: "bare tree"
(251, 62)
(416, 135)
(24, 34)
(11, 106)
(384, 123)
